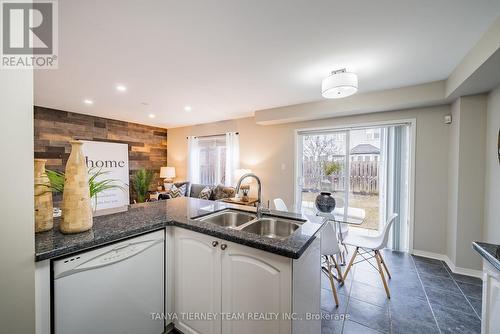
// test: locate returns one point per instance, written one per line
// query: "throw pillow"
(221, 192)
(205, 193)
(175, 192)
(182, 189)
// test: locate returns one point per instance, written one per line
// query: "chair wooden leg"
(383, 263)
(332, 283)
(381, 271)
(338, 269)
(351, 262)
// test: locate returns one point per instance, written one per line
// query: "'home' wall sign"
(111, 158)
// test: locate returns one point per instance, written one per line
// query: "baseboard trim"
(451, 265)
(430, 255)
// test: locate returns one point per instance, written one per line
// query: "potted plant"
(324, 201)
(95, 186)
(332, 167)
(141, 181)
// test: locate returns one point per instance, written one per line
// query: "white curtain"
(232, 157)
(193, 160)
(397, 184)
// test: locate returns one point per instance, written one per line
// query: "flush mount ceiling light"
(88, 102)
(152, 115)
(187, 108)
(339, 84)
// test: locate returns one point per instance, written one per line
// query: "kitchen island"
(490, 322)
(209, 268)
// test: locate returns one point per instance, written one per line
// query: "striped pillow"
(205, 193)
(175, 192)
(182, 189)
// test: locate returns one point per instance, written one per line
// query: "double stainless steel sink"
(266, 226)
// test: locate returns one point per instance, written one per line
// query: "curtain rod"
(208, 136)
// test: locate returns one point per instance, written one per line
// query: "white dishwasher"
(113, 289)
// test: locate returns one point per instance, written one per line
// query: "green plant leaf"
(56, 180)
(332, 167)
(141, 181)
(96, 187)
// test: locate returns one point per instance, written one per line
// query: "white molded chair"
(280, 205)
(371, 244)
(329, 249)
(352, 213)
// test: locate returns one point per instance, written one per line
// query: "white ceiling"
(228, 58)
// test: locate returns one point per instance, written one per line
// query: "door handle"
(223, 246)
(215, 243)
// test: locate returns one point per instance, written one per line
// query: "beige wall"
(466, 180)
(491, 230)
(471, 180)
(17, 292)
(453, 160)
(270, 152)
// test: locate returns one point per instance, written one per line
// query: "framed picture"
(111, 158)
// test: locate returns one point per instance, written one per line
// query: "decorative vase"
(44, 220)
(77, 207)
(245, 189)
(325, 202)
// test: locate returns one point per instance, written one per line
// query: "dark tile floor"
(426, 297)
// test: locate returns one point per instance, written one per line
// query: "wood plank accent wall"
(147, 145)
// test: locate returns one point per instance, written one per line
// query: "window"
(212, 160)
(372, 134)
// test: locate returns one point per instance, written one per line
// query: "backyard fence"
(364, 177)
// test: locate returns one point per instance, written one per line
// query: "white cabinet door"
(255, 281)
(196, 282)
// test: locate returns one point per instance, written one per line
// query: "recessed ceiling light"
(152, 115)
(88, 102)
(187, 108)
(121, 88)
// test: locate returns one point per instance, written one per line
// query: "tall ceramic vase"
(77, 209)
(43, 198)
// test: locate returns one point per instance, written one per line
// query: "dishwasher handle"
(121, 247)
(115, 255)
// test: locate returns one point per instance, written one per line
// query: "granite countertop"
(148, 217)
(490, 252)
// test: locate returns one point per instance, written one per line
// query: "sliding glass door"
(364, 195)
(366, 170)
(324, 166)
